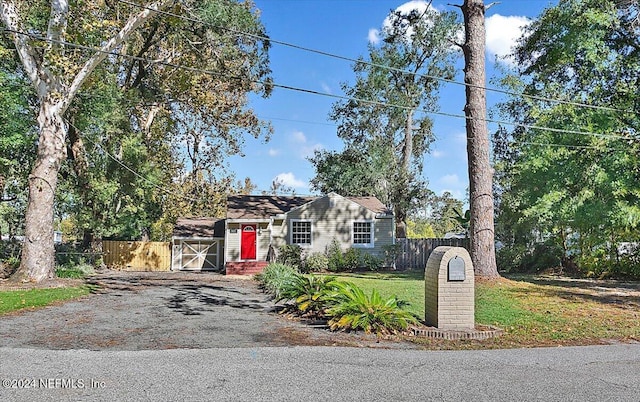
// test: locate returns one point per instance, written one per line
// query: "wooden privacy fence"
(414, 253)
(137, 255)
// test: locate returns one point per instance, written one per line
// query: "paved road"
(594, 373)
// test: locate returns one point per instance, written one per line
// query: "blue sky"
(344, 27)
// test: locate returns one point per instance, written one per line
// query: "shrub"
(517, 258)
(509, 259)
(352, 258)
(370, 261)
(351, 309)
(13, 263)
(316, 262)
(71, 273)
(290, 254)
(9, 266)
(543, 256)
(278, 279)
(391, 253)
(335, 257)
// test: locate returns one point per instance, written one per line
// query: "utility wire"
(314, 92)
(339, 57)
(561, 145)
(137, 174)
(119, 162)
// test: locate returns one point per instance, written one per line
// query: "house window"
(301, 232)
(363, 234)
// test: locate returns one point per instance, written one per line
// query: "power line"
(552, 145)
(119, 162)
(314, 92)
(135, 173)
(167, 191)
(345, 58)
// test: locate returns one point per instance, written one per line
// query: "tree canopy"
(569, 175)
(382, 124)
(161, 89)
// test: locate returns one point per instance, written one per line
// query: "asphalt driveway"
(146, 311)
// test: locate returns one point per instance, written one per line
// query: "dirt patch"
(7, 285)
(138, 311)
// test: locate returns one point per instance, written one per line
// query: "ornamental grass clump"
(352, 309)
(278, 280)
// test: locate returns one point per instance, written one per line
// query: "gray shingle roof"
(199, 227)
(262, 206)
(371, 203)
(265, 206)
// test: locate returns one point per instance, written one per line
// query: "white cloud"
(303, 146)
(273, 152)
(298, 137)
(308, 150)
(411, 5)
(451, 180)
(457, 194)
(289, 179)
(437, 154)
(374, 36)
(326, 88)
(502, 34)
(404, 9)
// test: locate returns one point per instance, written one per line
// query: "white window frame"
(292, 221)
(372, 233)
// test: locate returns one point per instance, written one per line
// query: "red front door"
(248, 242)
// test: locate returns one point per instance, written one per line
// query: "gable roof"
(262, 206)
(199, 227)
(265, 206)
(372, 204)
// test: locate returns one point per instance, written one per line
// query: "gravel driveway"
(139, 311)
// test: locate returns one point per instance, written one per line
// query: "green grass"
(407, 286)
(530, 312)
(14, 300)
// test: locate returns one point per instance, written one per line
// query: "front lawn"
(13, 300)
(532, 312)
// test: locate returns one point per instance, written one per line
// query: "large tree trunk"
(38, 252)
(481, 226)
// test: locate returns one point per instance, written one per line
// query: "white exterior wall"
(332, 217)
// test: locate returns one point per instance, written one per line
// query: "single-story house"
(257, 225)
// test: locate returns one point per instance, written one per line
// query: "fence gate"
(137, 255)
(414, 253)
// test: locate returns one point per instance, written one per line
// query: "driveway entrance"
(167, 310)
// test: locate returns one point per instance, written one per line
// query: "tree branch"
(488, 6)
(57, 22)
(134, 22)
(11, 20)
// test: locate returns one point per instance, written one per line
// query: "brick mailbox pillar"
(449, 289)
